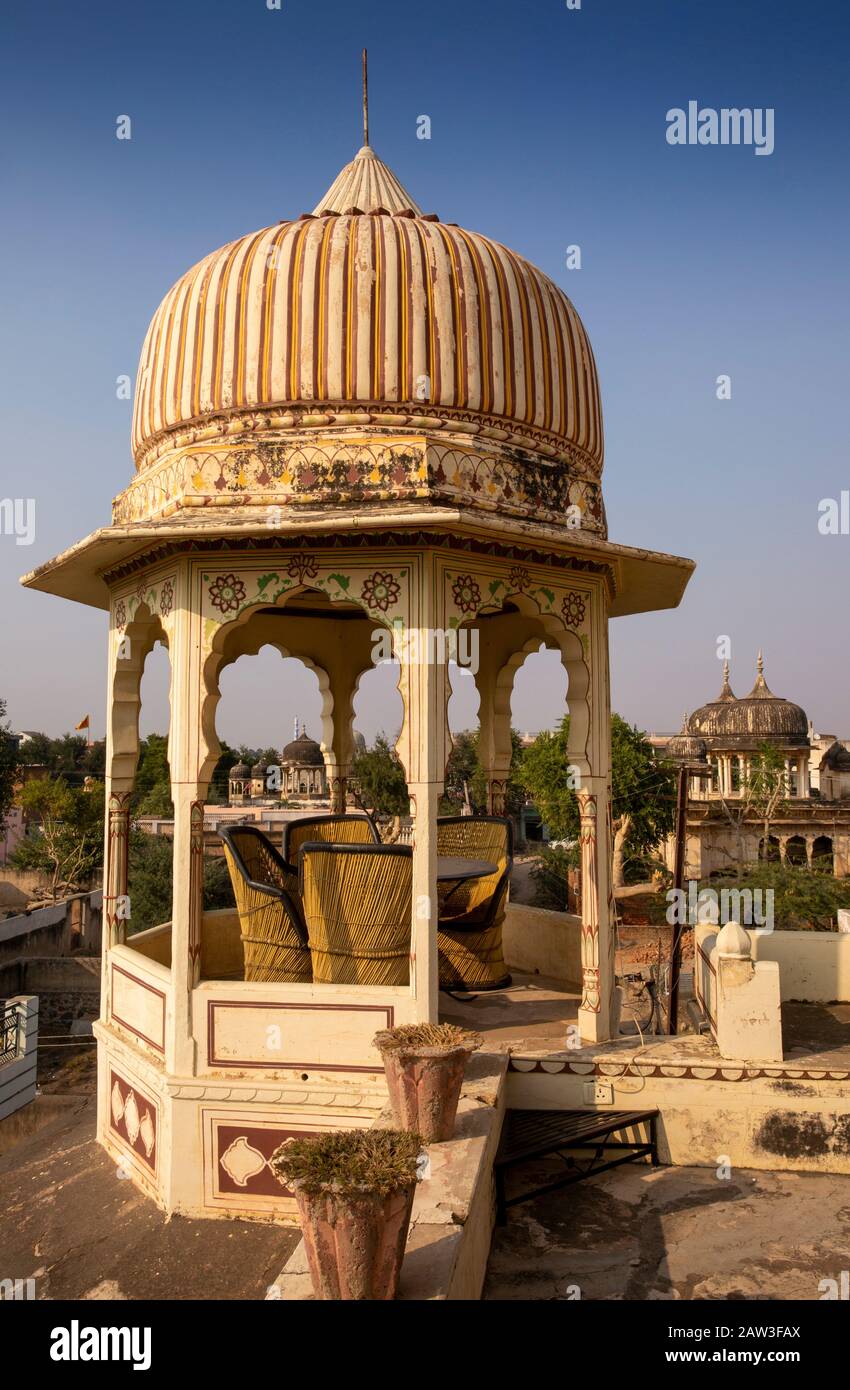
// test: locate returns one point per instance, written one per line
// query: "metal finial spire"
(760, 663)
(365, 99)
(726, 673)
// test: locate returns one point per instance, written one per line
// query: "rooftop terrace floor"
(83, 1232)
(639, 1233)
(531, 1018)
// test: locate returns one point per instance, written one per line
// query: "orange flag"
(83, 724)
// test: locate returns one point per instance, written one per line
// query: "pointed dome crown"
(686, 747)
(366, 185)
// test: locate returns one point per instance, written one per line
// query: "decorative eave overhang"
(639, 581)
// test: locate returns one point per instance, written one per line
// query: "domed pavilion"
(731, 731)
(724, 738)
(360, 418)
(302, 768)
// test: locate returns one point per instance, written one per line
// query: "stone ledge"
(449, 1240)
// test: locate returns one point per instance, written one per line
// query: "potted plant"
(424, 1065)
(354, 1190)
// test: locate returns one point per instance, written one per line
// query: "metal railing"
(9, 1032)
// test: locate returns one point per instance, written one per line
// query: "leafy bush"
(379, 1160)
(803, 900)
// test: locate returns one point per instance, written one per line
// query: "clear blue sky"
(548, 128)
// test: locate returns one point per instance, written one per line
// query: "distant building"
(301, 774)
(720, 743)
(303, 768)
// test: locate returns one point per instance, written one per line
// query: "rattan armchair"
(274, 938)
(357, 907)
(356, 829)
(469, 937)
(474, 837)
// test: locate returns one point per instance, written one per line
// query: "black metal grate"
(582, 1139)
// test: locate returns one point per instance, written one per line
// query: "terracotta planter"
(355, 1243)
(424, 1085)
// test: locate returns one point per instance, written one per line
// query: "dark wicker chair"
(469, 937)
(274, 938)
(357, 907)
(356, 829)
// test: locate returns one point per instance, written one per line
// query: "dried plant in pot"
(354, 1190)
(424, 1065)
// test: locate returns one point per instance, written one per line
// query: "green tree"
(766, 787)
(219, 789)
(65, 835)
(642, 790)
(380, 779)
(463, 771)
(150, 876)
(9, 761)
(760, 797)
(464, 767)
(152, 783)
(68, 756)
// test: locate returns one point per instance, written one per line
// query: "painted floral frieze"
(156, 595)
(381, 590)
(283, 473)
(469, 593)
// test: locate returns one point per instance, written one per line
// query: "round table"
(453, 868)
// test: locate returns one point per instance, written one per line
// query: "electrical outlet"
(598, 1093)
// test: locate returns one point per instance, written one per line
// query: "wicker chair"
(357, 906)
(474, 837)
(333, 830)
(469, 937)
(274, 938)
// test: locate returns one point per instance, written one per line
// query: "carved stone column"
(115, 895)
(196, 890)
(590, 968)
(337, 786)
(597, 912)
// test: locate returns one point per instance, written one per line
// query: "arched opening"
(377, 781)
(149, 868)
(138, 869)
(539, 709)
(772, 854)
(269, 726)
(795, 852)
(822, 855)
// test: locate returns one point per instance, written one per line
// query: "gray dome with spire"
(686, 747)
(760, 717)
